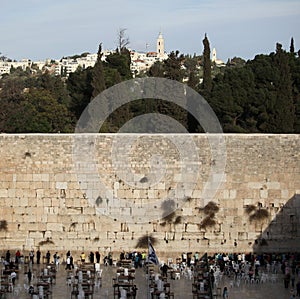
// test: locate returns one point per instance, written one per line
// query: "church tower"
(214, 55)
(160, 46)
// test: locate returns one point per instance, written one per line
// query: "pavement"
(181, 288)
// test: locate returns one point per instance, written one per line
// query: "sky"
(41, 29)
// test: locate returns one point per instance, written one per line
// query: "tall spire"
(160, 46)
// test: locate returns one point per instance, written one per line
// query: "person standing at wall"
(7, 256)
(18, 255)
(68, 263)
(31, 256)
(48, 257)
(97, 257)
(38, 257)
(71, 262)
(91, 257)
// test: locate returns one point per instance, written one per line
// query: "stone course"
(50, 199)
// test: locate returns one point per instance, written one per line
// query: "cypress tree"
(98, 80)
(292, 48)
(207, 81)
(283, 120)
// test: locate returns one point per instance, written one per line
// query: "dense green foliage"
(260, 95)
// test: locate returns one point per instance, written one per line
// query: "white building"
(141, 62)
(215, 60)
(5, 66)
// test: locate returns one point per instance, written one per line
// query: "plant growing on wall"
(211, 208)
(46, 242)
(143, 241)
(259, 215)
(178, 220)
(210, 211)
(169, 218)
(3, 225)
(256, 214)
(207, 222)
(250, 209)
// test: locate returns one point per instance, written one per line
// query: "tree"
(173, 66)
(79, 85)
(284, 115)
(123, 41)
(37, 112)
(292, 48)
(156, 69)
(207, 80)
(120, 62)
(98, 80)
(54, 85)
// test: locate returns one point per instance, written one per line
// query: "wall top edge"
(147, 134)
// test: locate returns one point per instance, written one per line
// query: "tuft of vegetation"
(46, 242)
(207, 222)
(250, 209)
(259, 215)
(3, 225)
(143, 241)
(211, 208)
(178, 220)
(169, 218)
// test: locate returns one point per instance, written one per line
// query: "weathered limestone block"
(35, 235)
(53, 226)
(3, 193)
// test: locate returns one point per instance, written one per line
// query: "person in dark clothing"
(91, 257)
(98, 257)
(164, 270)
(29, 276)
(71, 262)
(38, 256)
(18, 255)
(48, 257)
(7, 257)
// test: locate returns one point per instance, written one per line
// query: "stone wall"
(104, 192)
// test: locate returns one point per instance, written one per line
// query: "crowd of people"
(253, 266)
(234, 265)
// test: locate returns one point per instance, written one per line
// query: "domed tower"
(160, 46)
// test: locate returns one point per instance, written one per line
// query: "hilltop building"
(141, 62)
(215, 60)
